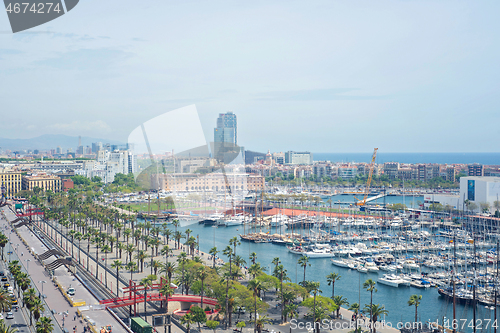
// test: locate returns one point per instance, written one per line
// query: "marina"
(403, 261)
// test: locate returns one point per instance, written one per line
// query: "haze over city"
(405, 76)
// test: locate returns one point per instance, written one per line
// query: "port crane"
(369, 181)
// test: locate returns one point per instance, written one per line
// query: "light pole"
(42, 282)
(28, 265)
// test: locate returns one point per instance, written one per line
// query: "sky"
(322, 76)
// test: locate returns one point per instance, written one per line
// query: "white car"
(10, 315)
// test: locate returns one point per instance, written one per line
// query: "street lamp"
(42, 282)
(27, 265)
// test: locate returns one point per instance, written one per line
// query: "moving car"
(10, 315)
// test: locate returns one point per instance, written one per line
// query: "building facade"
(11, 181)
(43, 181)
(292, 157)
(227, 129)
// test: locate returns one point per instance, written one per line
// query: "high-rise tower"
(227, 129)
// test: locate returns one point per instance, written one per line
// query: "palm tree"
(331, 278)
(260, 322)
(355, 308)
(37, 308)
(3, 241)
(369, 285)
(202, 274)
(165, 251)
(44, 325)
(376, 311)
(182, 259)
(315, 290)
(187, 320)
(130, 249)
(239, 261)
(213, 252)
(235, 242)
(156, 265)
(5, 300)
(253, 257)
(147, 282)
(4, 328)
(228, 251)
(415, 300)
(255, 270)
(131, 267)
(303, 262)
(281, 274)
(291, 311)
(339, 301)
(169, 269)
(117, 264)
(255, 286)
(105, 249)
(141, 256)
(191, 243)
(167, 291)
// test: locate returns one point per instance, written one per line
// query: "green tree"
(355, 308)
(212, 324)
(369, 285)
(187, 320)
(376, 311)
(415, 301)
(304, 262)
(44, 325)
(331, 278)
(117, 264)
(199, 316)
(339, 301)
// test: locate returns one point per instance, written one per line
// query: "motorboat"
(390, 280)
(371, 266)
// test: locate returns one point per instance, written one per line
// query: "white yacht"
(313, 251)
(340, 263)
(371, 266)
(390, 280)
(279, 220)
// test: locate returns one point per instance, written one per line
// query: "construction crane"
(369, 181)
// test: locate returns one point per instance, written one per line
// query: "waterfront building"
(480, 190)
(292, 157)
(391, 169)
(11, 180)
(279, 158)
(450, 173)
(405, 173)
(43, 181)
(475, 169)
(322, 169)
(212, 182)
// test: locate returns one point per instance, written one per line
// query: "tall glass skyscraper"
(227, 129)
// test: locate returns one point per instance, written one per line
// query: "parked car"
(71, 291)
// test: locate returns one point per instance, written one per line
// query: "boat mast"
(453, 279)
(496, 288)
(474, 287)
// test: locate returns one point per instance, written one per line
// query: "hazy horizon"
(403, 76)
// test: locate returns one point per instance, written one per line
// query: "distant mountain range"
(51, 141)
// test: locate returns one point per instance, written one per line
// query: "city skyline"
(323, 77)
